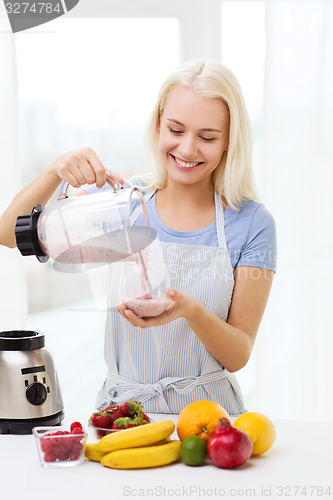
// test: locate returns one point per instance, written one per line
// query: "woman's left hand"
(180, 306)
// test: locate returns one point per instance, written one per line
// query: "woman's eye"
(207, 139)
(179, 132)
(174, 131)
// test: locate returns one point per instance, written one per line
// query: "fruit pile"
(139, 447)
(56, 447)
(205, 429)
(124, 416)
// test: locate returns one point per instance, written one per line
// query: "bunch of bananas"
(137, 448)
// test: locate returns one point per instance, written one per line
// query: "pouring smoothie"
(143, 284)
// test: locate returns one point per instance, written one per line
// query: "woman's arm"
(77, 167)
(230, 342)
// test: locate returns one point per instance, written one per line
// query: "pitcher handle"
(63, 188)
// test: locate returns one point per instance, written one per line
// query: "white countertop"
(300, 462)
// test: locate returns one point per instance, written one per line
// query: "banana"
(142, 458)
(92, 454)
(135, 437)
(163, 441)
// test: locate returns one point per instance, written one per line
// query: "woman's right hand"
(84, 167)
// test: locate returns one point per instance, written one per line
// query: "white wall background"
(12, 281)
(281, 51)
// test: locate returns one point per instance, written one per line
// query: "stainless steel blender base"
(25, 426)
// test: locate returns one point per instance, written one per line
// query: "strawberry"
(101, 419)
(115, 415)
(124, 423)
(139, 420)
(112, 407)
(130, 408)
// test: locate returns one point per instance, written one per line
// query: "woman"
(218, 244)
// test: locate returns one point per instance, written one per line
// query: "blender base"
(25, 426)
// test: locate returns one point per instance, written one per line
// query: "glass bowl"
(99, 432)
(55, 448)
(143, 283)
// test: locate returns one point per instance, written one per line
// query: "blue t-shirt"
(250, 233)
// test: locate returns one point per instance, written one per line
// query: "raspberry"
(77, 430)
(61, 452)
(76, 439)
(74, 454)
(63, 445)
(75, 425)
(75, 451)
(45, 445)
(49, 457)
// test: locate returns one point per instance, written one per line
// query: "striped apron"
(168, 367)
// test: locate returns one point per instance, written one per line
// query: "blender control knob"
(36, 394)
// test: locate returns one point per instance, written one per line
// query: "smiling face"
(193, 135)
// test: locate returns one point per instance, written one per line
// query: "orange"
(199, 419)
(260, 429)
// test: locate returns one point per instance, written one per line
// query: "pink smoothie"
(145, 305)
(83, 254)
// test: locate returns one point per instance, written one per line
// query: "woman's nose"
(188, 147)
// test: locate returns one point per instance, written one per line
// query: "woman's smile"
(185, 165)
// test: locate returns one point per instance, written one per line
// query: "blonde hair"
(233, 177)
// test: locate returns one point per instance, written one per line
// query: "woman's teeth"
(185, 164)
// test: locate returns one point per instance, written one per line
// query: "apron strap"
(219, 215)
(220, 221)
(136, 212)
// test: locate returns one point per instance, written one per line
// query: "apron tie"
(131, 390)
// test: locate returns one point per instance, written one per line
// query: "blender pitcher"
(93, 229)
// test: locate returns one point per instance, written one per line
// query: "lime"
(193, 450)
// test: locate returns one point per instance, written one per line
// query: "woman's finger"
(112, 178)
(71, 179)
(102, 175)
(87, 172)
(97, 171)
(79, 172)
